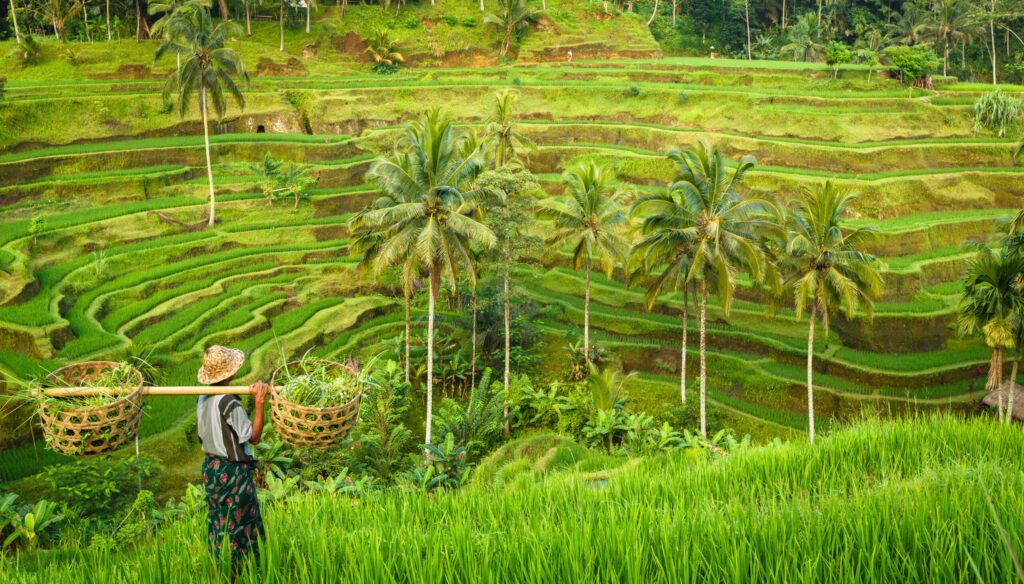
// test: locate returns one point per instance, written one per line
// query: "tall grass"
(879, 502)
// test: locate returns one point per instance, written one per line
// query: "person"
(568, 56)
(233, 509)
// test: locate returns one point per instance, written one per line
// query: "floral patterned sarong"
(233, 508)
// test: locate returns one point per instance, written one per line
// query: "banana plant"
(279, 489)
(342, 484)
(273, 461)
(28, 527)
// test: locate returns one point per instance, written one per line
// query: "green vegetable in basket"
(318, 384)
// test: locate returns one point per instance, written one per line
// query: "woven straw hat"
(220, 363)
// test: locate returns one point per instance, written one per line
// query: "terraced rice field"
(106, 271)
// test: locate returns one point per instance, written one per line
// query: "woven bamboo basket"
(308, 427)
(88, 431)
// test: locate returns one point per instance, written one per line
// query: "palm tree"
(992, 305)
(383, 50)
(500, 130)
(310, 5)
(826, 267)
(589, 217)
(430, 217)
(666, 244)
(59, 12)
(725, 235)
(208, 70)
(512, 16)
(946, 25)
(166, 9)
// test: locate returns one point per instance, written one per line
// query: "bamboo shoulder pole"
(157, 390)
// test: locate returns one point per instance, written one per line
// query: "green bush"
(101, 488)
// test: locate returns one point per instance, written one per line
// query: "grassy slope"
(905, 500)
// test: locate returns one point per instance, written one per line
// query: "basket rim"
(275, 396)
(134, 396)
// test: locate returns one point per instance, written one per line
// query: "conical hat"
(220, 363)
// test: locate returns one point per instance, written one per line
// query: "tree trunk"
(586, 317)
(810, 372)
(1013, 384)
(282, 26)
(682, 352)
(508, 342)
(108, 20)
(992, 30)
(17, 31)
(819, 18)
(85, 18)
(307, 16)
(138, 21)
(206, 143)
(472, 363)
(223, 4)
(675, 11)
(703, 359)
(435, 284)
(344, 5)
(783, 15)
(746, 5)
(408, 332)
(482, 9)
(945, 60)
(653, 13)
(248, 22)
(56, 31)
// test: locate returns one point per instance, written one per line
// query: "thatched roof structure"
(992, 399)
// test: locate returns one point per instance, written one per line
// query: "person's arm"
(259, 392)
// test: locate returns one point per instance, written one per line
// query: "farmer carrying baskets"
(226, 433)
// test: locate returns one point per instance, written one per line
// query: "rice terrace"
(511, 291)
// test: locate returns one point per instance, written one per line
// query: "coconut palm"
(725, 237)
(991, 305)
(428, 215)
(208, 70)
(589, 217)
(58, 13)
(500, 131)
(826, 267)
(383, 50)
(666, 245)
(310, 6)
(947, 24)
(512, 17)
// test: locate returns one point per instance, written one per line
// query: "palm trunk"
(435, 284)
(993, 380)
(307, 17)
(819, 18)
(85, 18)
(586, 317)
(992, 30)
(14, 20)
(963, 55)
(482, 9)
(248, 23)
(682, 352)
(810, 372)
(109, 33)
(282, 27)
(1013, 384)
(783, 14)
(138, 20)
(223, 4)
(945, 60)
(653, 13)
(746, 6)
(472, 363)
(206, 143)
(703, 358)
(508, 343)
(344, 5)
(408, 333)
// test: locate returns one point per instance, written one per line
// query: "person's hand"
(259, 391)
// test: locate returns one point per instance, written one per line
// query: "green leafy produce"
(318, 383)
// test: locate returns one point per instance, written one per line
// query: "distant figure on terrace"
(226, 433)
(568, 56)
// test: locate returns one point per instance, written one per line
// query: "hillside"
(105, 272)
(923, 500)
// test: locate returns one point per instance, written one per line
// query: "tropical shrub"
(383, 50)
(997, 112)
(383, 440)
(477, 424)
(101, 488)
